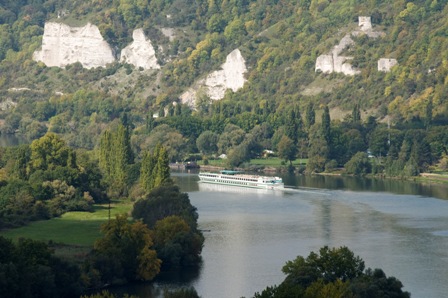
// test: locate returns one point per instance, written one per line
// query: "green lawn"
(275, 162)
(72, 228)
(268, 162)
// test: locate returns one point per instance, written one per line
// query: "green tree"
(207, 142)
(165, 201)
(238, 154)
(326, 126)
(356, 115)
(29, 269)
(310, 115)
(291, 127)
(115, 156)
(162, 167)
(174, 220)
(130, 246)
(175, 242)
(147, 177)
(359, 164)
(48, 152)
(286, 149)
(235, 31)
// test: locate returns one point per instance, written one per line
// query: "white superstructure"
(235, 178)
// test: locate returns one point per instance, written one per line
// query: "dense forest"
(280, 41)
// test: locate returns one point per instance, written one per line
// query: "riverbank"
(423, 177)
(432, 177)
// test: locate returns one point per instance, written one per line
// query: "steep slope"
(283, 44)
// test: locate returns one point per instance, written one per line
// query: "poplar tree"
(299, 123)
(162, 168)
(356, 114)
(310, 115)
(291, 129)
(147, 172)
(115, 155)
(326, 129)
(155, 169)
(105, 156)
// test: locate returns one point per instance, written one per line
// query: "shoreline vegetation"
(275, 165)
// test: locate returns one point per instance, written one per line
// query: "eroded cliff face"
(334, 62)
(230, 76)
(63, 45)
(140, 52)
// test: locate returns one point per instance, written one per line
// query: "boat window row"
(240, 178)
(231, 182)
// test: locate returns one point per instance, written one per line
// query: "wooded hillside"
(279, 39)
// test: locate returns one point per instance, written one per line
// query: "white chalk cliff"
(230, 76)
(385, 64)
(333, 62)
(140, 52)
(63, 45)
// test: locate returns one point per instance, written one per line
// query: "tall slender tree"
(147, 172)
(356, 114)
(310, 115)
(105, 153)
(291, 130)
(326, 129)
(162, 168)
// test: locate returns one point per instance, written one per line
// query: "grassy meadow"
(72, 228)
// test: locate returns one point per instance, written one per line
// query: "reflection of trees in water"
(367, 184)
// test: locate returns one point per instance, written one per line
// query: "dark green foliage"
(358, 165)
(165, 201)
(176, 244)
(310, 115)
(125, 252)
(207, 142)
(47, 179)
(287, 150)
(181, 293)
(375, 283)
(147, 171)
(337, 271)
(29, 269)
(326, 126)
(238, 155)
(115, 156)
(155, 170)
(169, 212)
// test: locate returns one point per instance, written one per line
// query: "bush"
(359, 164)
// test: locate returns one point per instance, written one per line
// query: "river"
(400, 227)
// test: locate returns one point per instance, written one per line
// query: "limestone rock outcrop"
(385, 64)
(334, 62)
(140, 52)
(230, 76)
(63, 45)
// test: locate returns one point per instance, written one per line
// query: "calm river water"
(400, 227)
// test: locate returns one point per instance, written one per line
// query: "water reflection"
(369, 184)
(250, 235)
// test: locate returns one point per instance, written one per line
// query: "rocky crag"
(63, 45)
(335, 62)
(140, 52)
(230, 76)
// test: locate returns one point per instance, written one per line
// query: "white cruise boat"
(236, 178)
